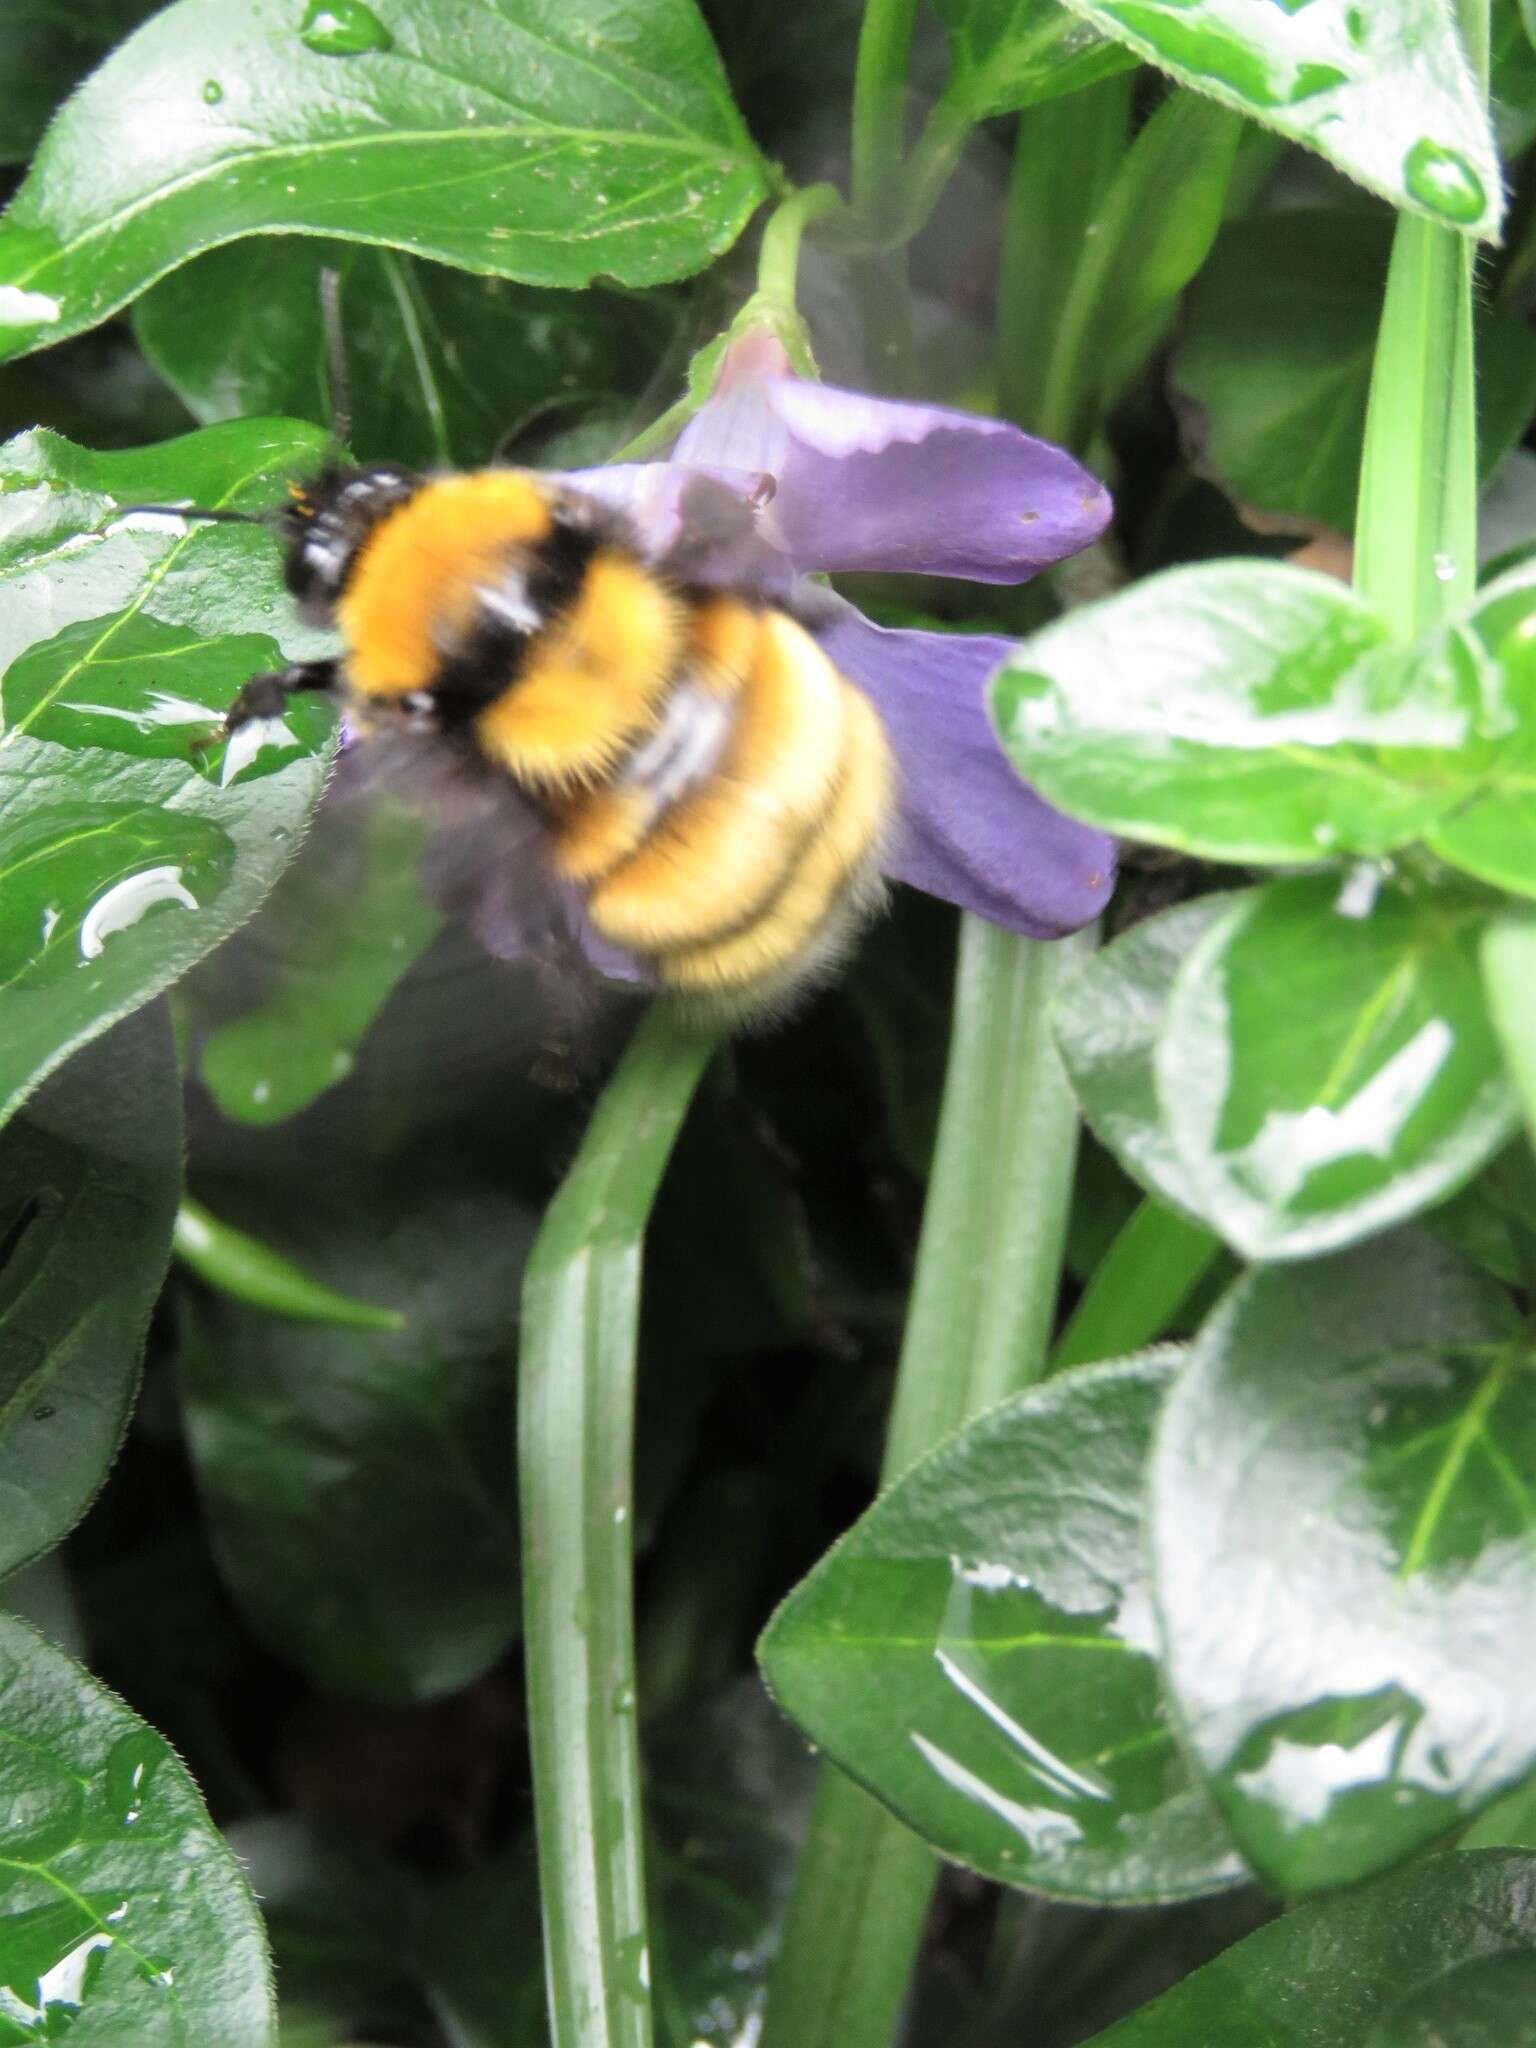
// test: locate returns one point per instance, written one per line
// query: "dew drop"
(1443, 181)
(213, 92)
(127, 901)
(1445, 568)
(343, 28)
(131, 1764)
(43, 1413)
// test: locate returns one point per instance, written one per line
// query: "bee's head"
(326, 525)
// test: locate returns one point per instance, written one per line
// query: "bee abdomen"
(738, 840)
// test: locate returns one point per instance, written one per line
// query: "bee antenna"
(335, 357)
(220, 514)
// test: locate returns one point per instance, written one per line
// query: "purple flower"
(777, 479)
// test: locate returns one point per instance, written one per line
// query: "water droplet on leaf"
(128, 901)
(1443, 181)
(131, 1766)
(343, 28)
(213, 92)
(1445, 568)
(27, 309)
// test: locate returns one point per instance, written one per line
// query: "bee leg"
(264, 696)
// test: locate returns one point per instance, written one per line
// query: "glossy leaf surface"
(124, 1916)
(90, 1175)
(127, 851)
(1108, 1020)
(1004, 55)
(1324, 1975)
(358, 1483)
(1275, 351)
(1345, 1556)
(1509, 967)
(1327, 1067)
(442, 365)
(1250, 711)
(1384, 92)
(593, 144)
(978, 1652)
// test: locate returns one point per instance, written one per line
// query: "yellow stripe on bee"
(416, 578)
(726, 849)
(591, 683)
(600, 827)
(835, 867)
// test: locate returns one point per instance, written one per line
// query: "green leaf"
(1327, 1067)
(44, 50)
(348, 919)
(976, 1651)
(1006, 54)
(1275, 351)
(1342, 1533)
(90, 1175)
(1509, 969)
(126, 1918)
(491, 134)
(1511, 1823)
(1492, 833)
(1492, 1999)
(1528, 18)
(1385, 93)
(358, 1483)
(1251, 711)
(128, 852)
(433, 379)
(1321, 1976)
(1141, 1284)
(1108, 1020)
(1512, 66)
(252, 1272)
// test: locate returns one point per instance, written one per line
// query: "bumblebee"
(701, 781)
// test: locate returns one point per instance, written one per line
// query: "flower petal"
(870, 483)
(970, 830)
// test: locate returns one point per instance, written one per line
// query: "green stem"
(576, 1398)
(778, 259)
(1138, 1287)
(983, 1299)
(879, 106)
(1416, 531)
(1416, 528)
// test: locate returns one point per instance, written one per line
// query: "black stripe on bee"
(510, 614)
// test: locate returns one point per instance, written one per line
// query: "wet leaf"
(1005, 55)
(90, 1175)
(1326, 1065)
(1275, 350)
(1322, 1976)
(128, 852)
(1342, 1530)
(358, 1483)
(442, 365)
(978, 1652)
(125, 1916)
(486, 133)
(1509, 967)
(1250, 711)
(1385, 93)
(1108, 1020)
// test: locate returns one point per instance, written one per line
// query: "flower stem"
(983, 1300)
(778, 259)
(576, 1399)
(879, 106)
